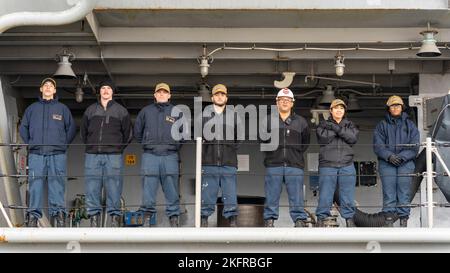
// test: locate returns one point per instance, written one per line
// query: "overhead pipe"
(312, 77)
(378, 95)
(34, 18)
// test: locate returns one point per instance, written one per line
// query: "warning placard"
(130, 160)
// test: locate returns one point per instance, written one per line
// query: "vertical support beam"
(7, 162)
(417, 101)
(429, 158)
(423, 198)
(198, 182)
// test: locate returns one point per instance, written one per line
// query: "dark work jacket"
(336, 147)
(219, 151)
(49, 124)
(111, 127)
(293, 142)
(153, 129)
(393, 131)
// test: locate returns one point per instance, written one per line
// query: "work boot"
(388, 221)
(350, 222)
(269, 223)
(174, 221)
(404, 222)
(95, 220)
(116, 220)
(59, 220)
(300, 223)
(204, 222)
(32, 221)
(233, 221)
(148, 219)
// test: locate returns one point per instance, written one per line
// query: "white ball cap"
(285, 92)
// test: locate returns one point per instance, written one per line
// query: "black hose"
(363, 219)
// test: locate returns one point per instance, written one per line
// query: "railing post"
(429, 157)
(198, 181)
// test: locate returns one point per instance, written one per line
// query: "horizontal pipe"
(374, 84)
(224, 235)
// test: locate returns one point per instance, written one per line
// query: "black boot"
(32, 221)
(174, 221)
(116, 220)
(404, 222)
(269, 222)
(300, 223)
(350, 222)
(233, 221)
(95, 220)
(59, 220)
(204, 222)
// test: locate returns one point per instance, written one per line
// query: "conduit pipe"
(26, 18)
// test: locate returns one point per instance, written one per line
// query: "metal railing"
(429, 175)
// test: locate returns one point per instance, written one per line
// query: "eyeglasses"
(284, 100)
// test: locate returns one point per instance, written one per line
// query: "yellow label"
(130, 160)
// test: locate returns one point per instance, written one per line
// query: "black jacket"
(153, 128)
(336, 141)
(218, 151)
(293, 142)
(111, 127)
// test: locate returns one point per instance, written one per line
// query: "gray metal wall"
(249, 183)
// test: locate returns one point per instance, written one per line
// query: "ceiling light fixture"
(429, 48)
(328, 96)
(204, 62)
(353, 104)
(339, 64)
(64, 70)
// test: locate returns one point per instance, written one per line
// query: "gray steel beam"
(222, 67)
(46, 52)
(260, 35)
(93, 23)
(167, 51)
(269, 4)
